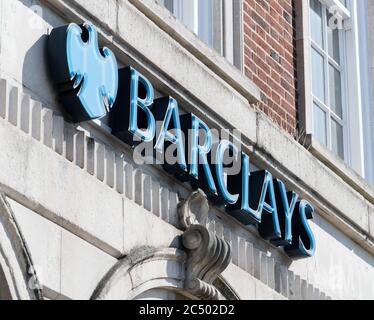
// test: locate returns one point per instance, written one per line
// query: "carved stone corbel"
(208, 255)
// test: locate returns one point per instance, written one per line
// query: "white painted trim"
(224, 40)
(356, 144)
(366, 86)
(339, 6)
(228, 40)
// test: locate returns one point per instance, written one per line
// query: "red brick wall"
(269, 57)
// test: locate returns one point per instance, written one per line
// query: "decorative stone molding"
(190, 275)
(193, 210)
(208, 255)
(143, 270)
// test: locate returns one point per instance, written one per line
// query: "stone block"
(242, 254)
(83, 266)
(156, 199)
(58, 134)
(80, 149)
(13, 107)
(141, 228)
(129, 181)
(249, 258)
(244, 284)
(36, 120)
(119, 174)
(100, 161)
(109, 166)
(25, 119)
(3, 98)
(47, 125)
(164, 203)
(257, 263)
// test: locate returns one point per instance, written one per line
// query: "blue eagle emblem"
(87, 77)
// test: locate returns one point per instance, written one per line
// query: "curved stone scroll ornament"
(193, 210)
(208, 255)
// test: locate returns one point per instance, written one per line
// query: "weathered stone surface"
(59, 190)
(142, 228)
(247, 287)
(44, 241)
(82, 267)
(66, 265)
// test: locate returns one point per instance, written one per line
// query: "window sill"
(185, 37)
(339, 167)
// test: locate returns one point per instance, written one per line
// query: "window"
(217, 22)
(335, 107)
(328, 75)
(338, 108)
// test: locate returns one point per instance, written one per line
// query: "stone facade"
(79, 219)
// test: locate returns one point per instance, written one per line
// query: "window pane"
(205, 32)
(316, 21)
(344, 2)
(169, 4)
(333, 40)
(318, 75)
(320, 131)
(335, 91)
(337, 145)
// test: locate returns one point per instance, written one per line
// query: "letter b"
(131, 119)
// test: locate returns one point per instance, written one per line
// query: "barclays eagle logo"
(87, 76)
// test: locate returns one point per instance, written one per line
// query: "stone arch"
(18, 280)
(150, 273)
(226, 290)
(193, 272)
(144, 273)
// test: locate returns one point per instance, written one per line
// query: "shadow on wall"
(36, 77)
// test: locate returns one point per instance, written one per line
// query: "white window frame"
(351, 85)
(227, 38)
(367, 85)
(326, 106)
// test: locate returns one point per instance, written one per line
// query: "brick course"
(270, 59)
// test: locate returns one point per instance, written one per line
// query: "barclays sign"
(91, 86)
